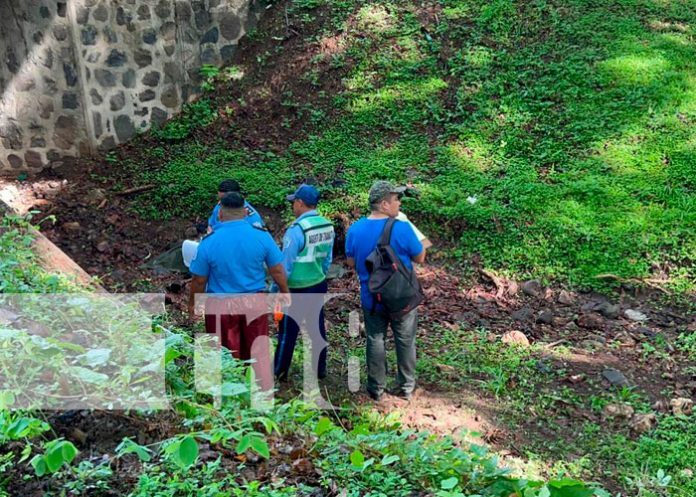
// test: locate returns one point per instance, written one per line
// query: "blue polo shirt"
(361, 240)
(234, 257)
(253, 217)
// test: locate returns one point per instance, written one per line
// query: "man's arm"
(198, 284)
(292, 241)
(420, 258)
(279, 276)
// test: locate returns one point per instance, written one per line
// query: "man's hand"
(198, 284)
(281, 279)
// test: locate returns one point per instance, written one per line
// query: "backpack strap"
(385, 239)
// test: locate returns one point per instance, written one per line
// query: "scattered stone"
(7, 317)
(543, 367)
(634, 315)
(643, 423)
(116, 58)
(615, 377)
(149, 36)
(79, 436)
(143, 58)
(532, 288)
(659, 406)
(72, 226)
(105, 78)
(576, 378)
(545, 317)
(591, 321)
(523, 314)
(103, 246)
(681, 406)
(211, 36)
(617, 411)
(118, 101)
(609, 311)
(125, 130)
(95, 196)
(446, 369)
(516, 337)
(88, 35)
(647, 332)
(128, 79)
(230, 26)
(591, 344)
(152, 78)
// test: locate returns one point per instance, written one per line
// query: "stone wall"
(77, 76)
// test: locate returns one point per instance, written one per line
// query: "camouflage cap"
(381, 190)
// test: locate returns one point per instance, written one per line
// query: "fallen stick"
(652, 283)
(137, 189)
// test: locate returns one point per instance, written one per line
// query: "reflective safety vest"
(318, 243)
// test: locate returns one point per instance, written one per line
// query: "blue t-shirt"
(234, 258)
(362, 239)
(253, 217)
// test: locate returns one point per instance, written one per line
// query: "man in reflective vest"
(307, 253)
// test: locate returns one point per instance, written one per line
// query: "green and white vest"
(318, 242)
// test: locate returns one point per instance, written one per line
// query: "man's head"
(227, 186)
(385, 198)
(305, 199)
(232, 207)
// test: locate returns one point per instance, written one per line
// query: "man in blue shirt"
(307, 254)
(233, 260)
(227, 186)
(361, 240)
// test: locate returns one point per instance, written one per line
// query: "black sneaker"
(375, 396)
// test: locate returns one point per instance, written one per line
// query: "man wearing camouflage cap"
(361, 240)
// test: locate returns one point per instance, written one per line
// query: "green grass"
(533, 399)
(572, 122)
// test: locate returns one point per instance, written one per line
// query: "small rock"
(531, 288)
(609, 311)
(659, 406)
(95, 196)
(634, 315)
(523, 314)
(565, 298)
(591, 321)
(642, 423)
(72, 226)
(446, 368)
(516, 337)
(615, 377)
(617, 411)
(545, 317)
(7, 317)
(687, 473)
(681, 406)
(576, 378)
(78, 436)
(647, 332)
(103, 246)
(591, 344)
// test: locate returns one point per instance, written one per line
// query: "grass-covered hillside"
(555, 138)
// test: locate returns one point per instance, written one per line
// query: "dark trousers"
(288, 330)
(246, 340)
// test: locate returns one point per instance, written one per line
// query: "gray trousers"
(405, 340)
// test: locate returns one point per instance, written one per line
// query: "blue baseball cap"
(307, 193)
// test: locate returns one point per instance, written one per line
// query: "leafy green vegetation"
(555, 138)
(529, 381)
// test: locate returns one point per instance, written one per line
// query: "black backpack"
(391, 283)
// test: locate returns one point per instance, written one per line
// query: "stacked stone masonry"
(79, 76)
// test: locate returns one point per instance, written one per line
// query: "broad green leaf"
(18, 429)
(188, 451)
(323, 425)
(387, 460)
(449, 483)
(96, 357)
(234, 389)
(544, 492)
(260, 447)
(128, 446)
(69, 452)
(357, 459)
(88, 376)
(244, 444)
(567, 490)
(39, 465)
(54, 458)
